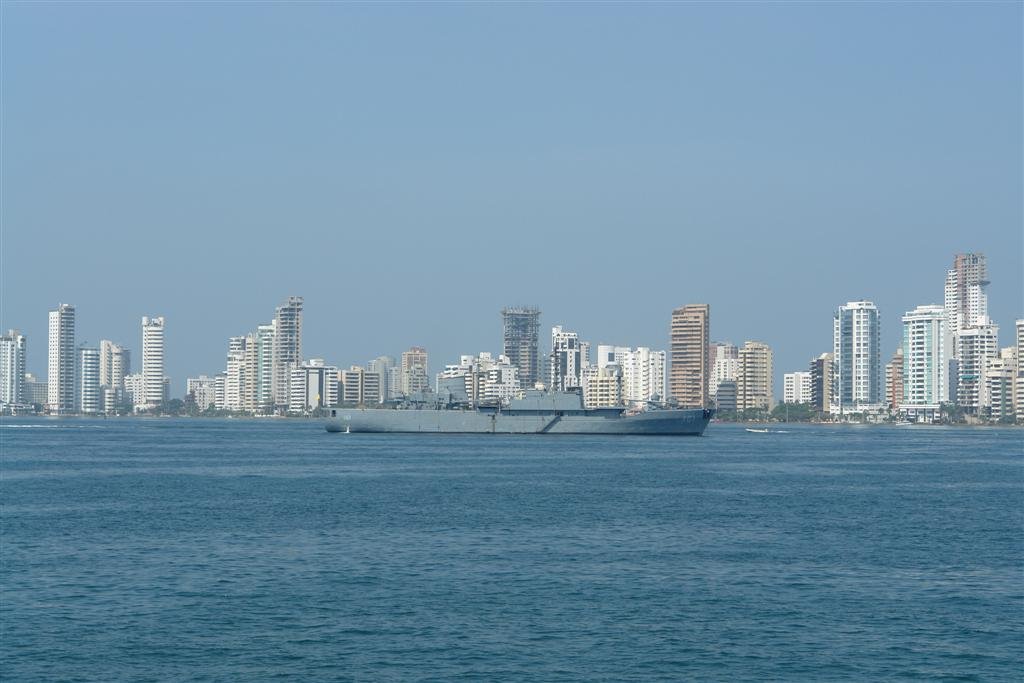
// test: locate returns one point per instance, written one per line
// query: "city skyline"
(677, 168)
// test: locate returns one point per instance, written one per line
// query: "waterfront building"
(643, 371)
(974, 345)
(602, 386)
(688, 375)
(36, 391)
(382, 365)
(135, 389)
(115, 363)
(796, 387)
(725, 397)
(220, 381)
(414, 371)
(996, 392)
(856, 334)
(754, 377)
(87, 394)
(483, 378)
(61, 361)
(395, 382)
(894, 380)
(359, 386)
(1018, 381)
(263, 365)
(724, 367)
(966, 306)
(287, 350)
(313, 385)
(235, 380)
(924, 371)
(566, 360)
(152, 363)
(821, 383)
(201, 391)
(520, 337)
(12, 369)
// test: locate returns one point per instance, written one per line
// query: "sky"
(410, 169)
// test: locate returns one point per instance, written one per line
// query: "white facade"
(88, 397)
(359, 386)
(135, 388)
(382, 365)
(857, 358)
(60, 380)
(996, 391)
(642, 371)
(414, 371)
(974, 345)
(725, 367)
(1018, 381)
(313, 385)
(202, 389)
(602, 386)
(796, 387)
(12, 369)
(925, 385)
(484, 378)
(115, 363)
(235, 379)
(152, 363)
(264, 366)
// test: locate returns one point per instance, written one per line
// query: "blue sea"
(250, 550)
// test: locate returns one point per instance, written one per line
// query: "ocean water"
(244, 550)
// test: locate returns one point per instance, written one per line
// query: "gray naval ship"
(537, 412)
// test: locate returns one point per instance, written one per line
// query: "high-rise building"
(924, 382)
(236, 380)
(521, 332)
(359, 386)
(201, 391)
(894, 380)
(382, 365)
(12, 369)
(152, 363)
(264, 367)
(414, 371)
(1018, 381)
(287, 349)
(688, 375)
(754, 377)
(725, 398)
(856, 334)
(115, 363)
(996, 391)
(602, 386)
(566, 360)
(966, 306)
(36, 391)
(135, 389)
(395, 382)
(821, 384)
(313, 385)
(974, 345)
(61, 361)
(796, 387)
(88, 397)
(724, 367)
(642, 370)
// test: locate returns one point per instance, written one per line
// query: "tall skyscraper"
(924, 370)
(60, 392)
(566, 360)
(264, 361)
(521, 332)
(966, 306)
(152, 363)
(88, 397)
(414, 371)
(856, 336)
(690, 338)
(12, 369)
(287, 349)
(115, 363)
(754, 377)
(236, 381)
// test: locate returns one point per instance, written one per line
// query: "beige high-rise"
(754, 378)
(688, 376)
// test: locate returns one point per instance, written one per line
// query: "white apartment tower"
(796, 387)
(642, 371)
(966, 306)
(287, 348)
(974, 345)
(856, 336)
(115, 363)
(60, 380)
(12, 369)
(152, 363)
(567, 360)
(88, 396)
(924, 369)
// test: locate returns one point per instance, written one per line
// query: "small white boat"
(757, 431)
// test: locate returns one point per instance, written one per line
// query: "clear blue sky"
(412, 168)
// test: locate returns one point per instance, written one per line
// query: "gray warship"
(536, 412)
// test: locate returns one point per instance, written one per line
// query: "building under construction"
(521, 333)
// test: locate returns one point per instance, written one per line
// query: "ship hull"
(691, 422)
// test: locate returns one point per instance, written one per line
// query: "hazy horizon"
(411, 169)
